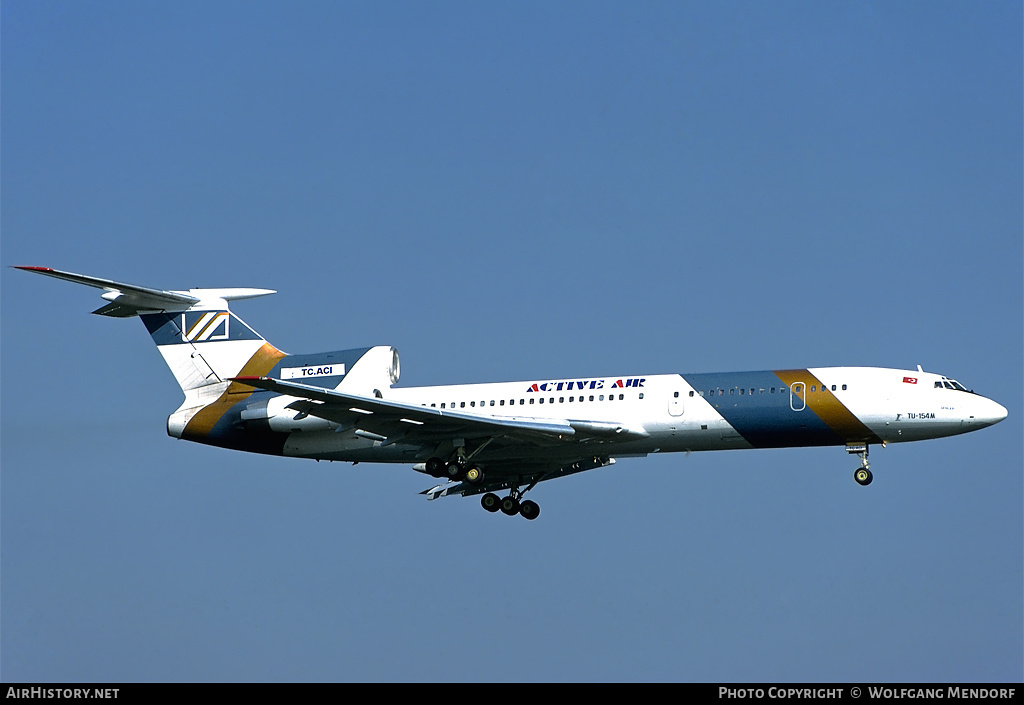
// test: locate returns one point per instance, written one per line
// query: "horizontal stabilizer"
(128, 300)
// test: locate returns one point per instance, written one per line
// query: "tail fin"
(201, 341)
(205, 346)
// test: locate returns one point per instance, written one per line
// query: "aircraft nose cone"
(990, 413)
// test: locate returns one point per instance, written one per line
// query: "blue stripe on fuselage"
(763, 418)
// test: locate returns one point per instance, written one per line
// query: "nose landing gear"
(861, 475)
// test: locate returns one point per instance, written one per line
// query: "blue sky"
(512, 191)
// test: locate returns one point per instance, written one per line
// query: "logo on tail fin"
(209, 325)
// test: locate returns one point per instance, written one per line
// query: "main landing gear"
(861, 475)
(461, 470)
(511, 505)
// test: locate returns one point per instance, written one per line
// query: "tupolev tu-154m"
(243, 393)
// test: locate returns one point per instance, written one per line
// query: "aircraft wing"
(400, 421)
(409, 423)
(585, 442)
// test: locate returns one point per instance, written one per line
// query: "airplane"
(243, 393)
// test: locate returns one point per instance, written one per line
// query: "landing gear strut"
(861, 475)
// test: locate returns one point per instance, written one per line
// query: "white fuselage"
(663, 413)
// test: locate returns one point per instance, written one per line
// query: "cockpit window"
(950, 384)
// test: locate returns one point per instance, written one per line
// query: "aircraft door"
(675, 400)
(797, 400)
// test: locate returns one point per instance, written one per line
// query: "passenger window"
(675, 394)
(572, 399)
(591, 397)
(561, 400)
(462, 405)
(844, 387)
(621, 397)
(641, 395)
(691, 393)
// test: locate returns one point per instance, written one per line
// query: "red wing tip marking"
(34, 269)
(246, 377)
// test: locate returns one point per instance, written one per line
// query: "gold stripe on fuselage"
(827, 407)
(262, 362)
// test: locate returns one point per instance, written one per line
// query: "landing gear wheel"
(529, 510)
(453, 470)
(435, 467)
(474, 475)
(862, 476)
(490, 502)
(510, 506)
